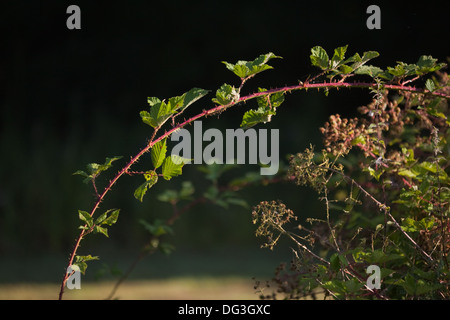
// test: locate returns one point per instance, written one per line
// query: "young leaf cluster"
(108, 218)
(161, 111)
(94, 169)
(357, 65)
(171, 166)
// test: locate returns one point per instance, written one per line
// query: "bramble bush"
(382, 178)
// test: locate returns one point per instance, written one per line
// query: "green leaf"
(103, 230)
(253, 117)
(430, 85)
(80, 262)
(402, 69)
(267, 106)
(371, 71)
(431, 167)
(86, 218)
(245, 69)
(172, 166)
(158, 153)
(275, 99)
(345, 69)
(407, 173)
(225, 95)
(427, 64)
(151, 178)
(319, 58)
(102, 217)
(84, 174)
(192, 96)
(375, 173)
(153, 101)
(94, 169)
(359, 61)
(112, 219)
(140, 191)
(159, 112)
(338, 56)
(147, 118)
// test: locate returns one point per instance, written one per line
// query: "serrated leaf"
(172, 166)
(193, 95)
(94, 169)
(345, 69)
(80, 262)
(267, 106)
(102, 230)
(241, 70)
(158, 153)
(86, 179)
(86, 258)
(276, 99)
(358, 61)
(102, 217)
(429, 84)
(112, 219)
(245, 69)
(175, 103)
(371, 71)
(402, 69)
(253, 117)
(225, 95)
(153, 101)
(427, 64)
(428, 166)
(159, 113)
(338, 56)
(82, 266)
(86, 218)
(147, 118)
(319, 57)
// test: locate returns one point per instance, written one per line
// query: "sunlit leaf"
(172, 167)
(319, 57)
(158, 153)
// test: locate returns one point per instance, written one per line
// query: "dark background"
(71, 97)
